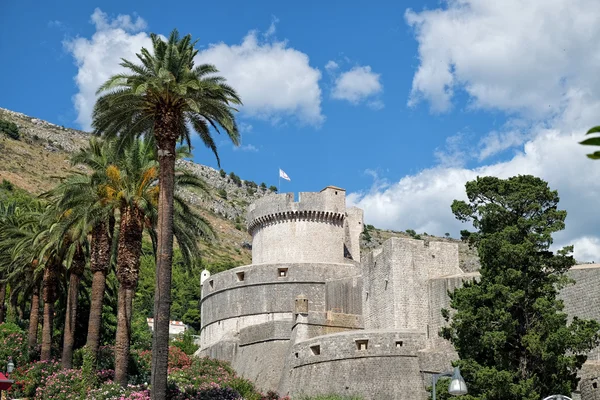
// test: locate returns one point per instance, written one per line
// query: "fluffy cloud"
(98, 58)
(535, 61)
(274, 80)
(357, 85)
(511, 55)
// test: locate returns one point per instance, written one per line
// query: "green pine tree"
(509, 328)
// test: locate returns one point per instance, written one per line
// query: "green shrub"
(30, 376)
(411, 232)
(263, 186)
(6, 185)
(141, 335)
(10, 129)
(13, 344)
(273, 189)
(331, 397)
(185, 342)
(222, 173)
(235, 179)
(222, 193)
(66, 384)
(251, 191)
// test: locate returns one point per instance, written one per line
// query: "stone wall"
(395, 291)
(255, 294)
(310, 230)
(371, 364)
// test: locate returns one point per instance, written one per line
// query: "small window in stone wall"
(362, 344)
(282, 272)
(211, 283)
(296, 355)
(316, 350)
(240, 276)
(399, 343)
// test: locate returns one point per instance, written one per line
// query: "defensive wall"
(311, 316)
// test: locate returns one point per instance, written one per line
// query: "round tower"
(310, 230)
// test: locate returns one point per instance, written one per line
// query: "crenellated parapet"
(292, 216)
(312, 229)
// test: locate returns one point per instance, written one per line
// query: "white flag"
(283, 175)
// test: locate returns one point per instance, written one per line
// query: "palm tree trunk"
(166, 140)
(49, 294)
(99, 264)
(122, 338)
(34, 317)
(2, 301)
(77, 269)
(128, 266)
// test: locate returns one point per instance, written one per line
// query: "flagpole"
(279, 189)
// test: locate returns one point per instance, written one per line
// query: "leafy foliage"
(235, 179)
(185, 342)
(593, 141)
(10, 129)
(512, 336)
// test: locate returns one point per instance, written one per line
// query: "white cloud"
(331, 66)
(496, 142)
(357, 84)
(535, 61)
(422, 201)
(274, 80)
(98, 58)
(511, 55)
(246, 147)
(245, 127)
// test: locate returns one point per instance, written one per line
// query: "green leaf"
(595, 129)
(591, 141)
(594, 156)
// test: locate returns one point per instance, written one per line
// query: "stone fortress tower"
(310, 316)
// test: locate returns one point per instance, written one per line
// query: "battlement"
(328, 205)
(313, 229)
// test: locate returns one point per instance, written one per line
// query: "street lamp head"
(10, 367)
(457, 386)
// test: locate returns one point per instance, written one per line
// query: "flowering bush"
(13, 344)
(29, 377)
(203, 371)
(105, 375)
(114, 391)
(66, 384)
(107, 391)
(207, 392)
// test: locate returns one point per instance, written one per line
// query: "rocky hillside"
(40, 158)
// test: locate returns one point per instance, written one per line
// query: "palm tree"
(71, 239)
(86, 194)
(594, 141)
(19, 268)
(132, 183)
(164, 96)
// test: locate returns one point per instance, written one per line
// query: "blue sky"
(398, 102)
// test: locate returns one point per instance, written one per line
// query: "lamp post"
(10, 367)
(457, 387)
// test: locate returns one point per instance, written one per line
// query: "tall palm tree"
(164, 96)
(20, 269)
(132, 183)
(70, 237)
(86, 194)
